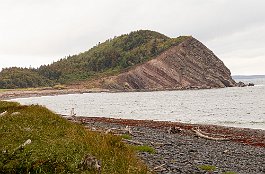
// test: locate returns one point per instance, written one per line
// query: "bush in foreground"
(57, 145)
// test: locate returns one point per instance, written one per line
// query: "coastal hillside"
(187, 65)
(139, 60)
(107, 58)
(22, 78)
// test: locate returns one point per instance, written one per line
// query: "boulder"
(241, 84)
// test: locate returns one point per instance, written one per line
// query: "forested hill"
(108, 58)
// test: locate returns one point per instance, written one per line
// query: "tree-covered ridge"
(22, 78)
(111, 56)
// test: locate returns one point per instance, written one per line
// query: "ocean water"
(237, 107)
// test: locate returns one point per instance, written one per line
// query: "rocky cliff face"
(188, 65)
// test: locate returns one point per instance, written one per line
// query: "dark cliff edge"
(189, 65)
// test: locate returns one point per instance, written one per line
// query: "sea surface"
(237, 107)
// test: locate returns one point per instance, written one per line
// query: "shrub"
(126, 136)
(208, 168)
(57, 145)
(145, 148)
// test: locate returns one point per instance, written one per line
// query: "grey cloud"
(51, 29)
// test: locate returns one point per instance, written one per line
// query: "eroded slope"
(187, 65)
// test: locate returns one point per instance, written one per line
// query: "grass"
(208, 168)
(2, 90)
(58, 145)
(21, 89)
(126, 136)
(145, 148)
(59, 87)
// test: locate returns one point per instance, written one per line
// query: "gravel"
(185, 153)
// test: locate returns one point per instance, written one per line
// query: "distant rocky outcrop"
(187, 65)
(242, 84)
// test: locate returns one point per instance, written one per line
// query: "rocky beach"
(178, 149)
(10, 94)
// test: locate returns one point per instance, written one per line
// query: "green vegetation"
(57, 145)
(22, 78)
(127, 137)
(3, 90)
(59, 87)
(145, 148)
(108, 58)
(208, 168)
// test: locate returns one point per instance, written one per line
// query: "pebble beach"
(184, 152)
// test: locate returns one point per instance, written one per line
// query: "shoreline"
(237, 132)
(240, 135)
(13, 94)
(182, 151)
(25, 93)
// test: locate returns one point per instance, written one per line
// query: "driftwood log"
(201, 134)
(22, 146)
(159, 167)
(15, 113)
(126, 130)
(3, 113)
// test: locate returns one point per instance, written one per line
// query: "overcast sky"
(35, 32)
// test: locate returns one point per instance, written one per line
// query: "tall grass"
(3, 90)
(58, 145)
